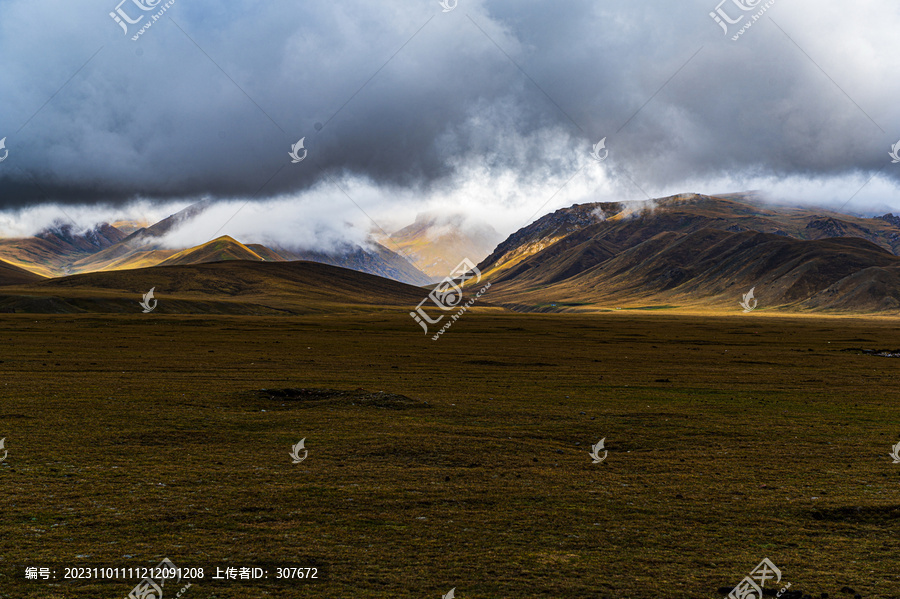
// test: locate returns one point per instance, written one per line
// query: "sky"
(490, 109)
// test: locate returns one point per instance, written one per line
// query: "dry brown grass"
(730, 439)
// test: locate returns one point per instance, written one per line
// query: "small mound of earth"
(318, 397)
(881, 353)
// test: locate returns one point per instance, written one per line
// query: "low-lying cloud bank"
(489, 110)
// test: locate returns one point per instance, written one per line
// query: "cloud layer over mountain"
(493, 105)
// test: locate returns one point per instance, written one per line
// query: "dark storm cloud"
(209, 100)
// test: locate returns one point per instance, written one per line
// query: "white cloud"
(449, 123)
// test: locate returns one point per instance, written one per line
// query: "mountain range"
(60, 252)
(436, 244)
(689, 251)
(697, 251)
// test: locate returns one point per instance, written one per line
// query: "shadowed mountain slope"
(11, 274)
(623, 225)
(374, 259)
(231, 287)
(698, 252)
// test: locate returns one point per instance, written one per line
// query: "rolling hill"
(11, 274)
(230, 287)
(217, 250)
(700, 252)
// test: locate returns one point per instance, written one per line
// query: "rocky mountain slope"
(697, 251)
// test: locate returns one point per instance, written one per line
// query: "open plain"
(730, 438)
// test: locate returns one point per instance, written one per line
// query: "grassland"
(730, 439)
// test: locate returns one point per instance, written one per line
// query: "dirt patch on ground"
(309, 398)
(858, 514)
